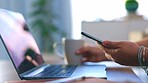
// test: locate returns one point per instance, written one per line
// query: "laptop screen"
(19, 42)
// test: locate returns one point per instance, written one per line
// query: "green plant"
(43, 17)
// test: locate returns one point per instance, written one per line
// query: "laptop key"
(47, 70)
(58, 70)
(67, 71)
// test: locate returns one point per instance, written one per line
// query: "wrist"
(142, 58)
(146, 55)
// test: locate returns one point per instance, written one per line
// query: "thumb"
(111, 44)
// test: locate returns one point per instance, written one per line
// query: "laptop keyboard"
(58, 71)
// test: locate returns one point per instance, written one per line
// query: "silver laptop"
(26, 56)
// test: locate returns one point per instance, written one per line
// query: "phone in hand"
(92, 37)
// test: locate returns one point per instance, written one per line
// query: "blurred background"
(51, 20)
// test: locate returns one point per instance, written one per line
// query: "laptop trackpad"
(98, 71)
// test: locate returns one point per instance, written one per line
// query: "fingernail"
(106, 42)
(77, 52)
(84, 59)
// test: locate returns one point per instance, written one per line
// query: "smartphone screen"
(92, 37)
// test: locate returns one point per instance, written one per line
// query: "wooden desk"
(116, 74)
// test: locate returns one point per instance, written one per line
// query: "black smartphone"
(92, 37)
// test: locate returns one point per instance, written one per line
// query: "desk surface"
(116, 74)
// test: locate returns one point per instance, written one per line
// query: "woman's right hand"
(123, 52)
(91, 54)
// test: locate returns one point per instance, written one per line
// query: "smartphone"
(92, 37)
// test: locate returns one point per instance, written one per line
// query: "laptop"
(27, 58)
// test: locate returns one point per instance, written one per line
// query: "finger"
(86, 59)
(80, 51)
(111, 44)
(83, 50)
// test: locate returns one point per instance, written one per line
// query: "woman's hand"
(123, 52)
(91, 54)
